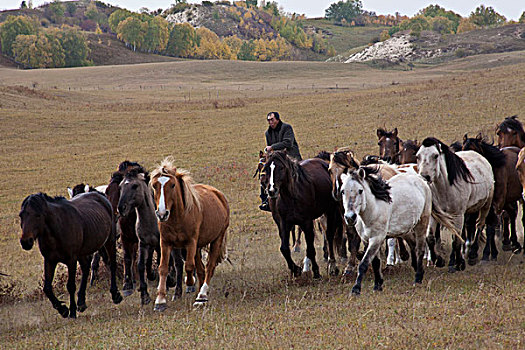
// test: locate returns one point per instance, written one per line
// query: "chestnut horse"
(300, 192)
(67, 232)
(190, 216)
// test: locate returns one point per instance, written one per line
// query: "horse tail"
(446, 220)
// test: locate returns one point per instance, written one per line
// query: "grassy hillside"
(61, 127)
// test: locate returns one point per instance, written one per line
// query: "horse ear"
(380, 133)
(86, 188)
(361, 173)
(70, 192)
(261, 154)
(344, 176)
(465, 137)
(395, 132)
(141, 176)
(479, 137)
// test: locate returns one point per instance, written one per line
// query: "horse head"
(133, 192)
(262, 160)
(510, 133)
(279, 172)
(113, 191)
(173, 190)
(429, 159)
(472, 143)
(78, 189)
(389, 145)
(340, 162)
(32, 219)
(408, 151)
(352, 193)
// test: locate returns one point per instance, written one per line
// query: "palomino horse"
(190, 216)
(67, 232)
(401, 207)
(461, 183)
(389, 145)
(136, 196)
(507, 191)
(300, 192)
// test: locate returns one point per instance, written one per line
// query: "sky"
(511, 9)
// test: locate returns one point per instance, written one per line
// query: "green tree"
(183, 41)
(522, 17)
(272, 7)
(247, 51)
(55, 11)
(348, 10)
(251, 3)
(71, 8)
(156, 35)
(435, 11)
(487, 17)
(38, 51)
(130, 31)
(442, 25)
(116, 17)
(75, 47)
(13, 26)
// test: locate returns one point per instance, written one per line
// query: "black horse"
(300, 193)
(67, 232)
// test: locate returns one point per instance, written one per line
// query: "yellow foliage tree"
(466, 25)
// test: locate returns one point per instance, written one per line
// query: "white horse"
(401, 207)
(461, 183)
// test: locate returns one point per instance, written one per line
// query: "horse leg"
(471, 244)
(150, 272)
(333, 221)
(378, 276)
(296, 241)
(431, 243)
(284, 233)
(513, 214)
(165, 251)
(176, 254)
(81, 296)
(71, 287)
(189, 266)
(403, 252)
(309, 260)
(506, 246)
(49, 274)
(130, 252)
(374, 245)
(95, 264)
(353, 241)
(390, 248)
(199, 266)
(111, 249)
(143, 257)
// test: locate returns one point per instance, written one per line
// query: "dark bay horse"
(136, 196)
(191, 216)
(507, 191)
(67, 232)
(389, 145)
(510, 133)
(408, 152)
(300, 192)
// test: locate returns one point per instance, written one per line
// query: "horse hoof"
(117, 298)
(145, 300)
(63, 311)
(452, 269)
(296, 249)
(127, 292)
(506, 247)
(160, 307)
(317, 276)
(378, 288)
(472, 261)
(356, 291)
(494, 258)
(440, 262)
(461, 266)
(200, 304)
(190, 289)
(81, 307)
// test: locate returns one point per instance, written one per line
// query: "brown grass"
(211, 117)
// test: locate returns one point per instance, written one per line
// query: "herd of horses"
(403, 196)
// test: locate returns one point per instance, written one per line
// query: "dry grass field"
(62, 127)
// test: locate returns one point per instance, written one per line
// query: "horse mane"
(123, 167)
(116, 177)
(39, 200)
(341, 156)
(456, 167)
(189, 194)
(324, 155)
(134, 173)
(494, 155)
(456, 146)
(380, 189)
(295, 172)
(512, 123)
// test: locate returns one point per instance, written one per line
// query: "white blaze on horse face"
(272, 167)
(162, 201)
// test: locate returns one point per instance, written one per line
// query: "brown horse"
(300, 192)
(389, 145)
(190, 216)
(407, 154)
(67, 232)
(510, 133)
(507, 191)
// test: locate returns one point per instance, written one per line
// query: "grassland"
(62, 127)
